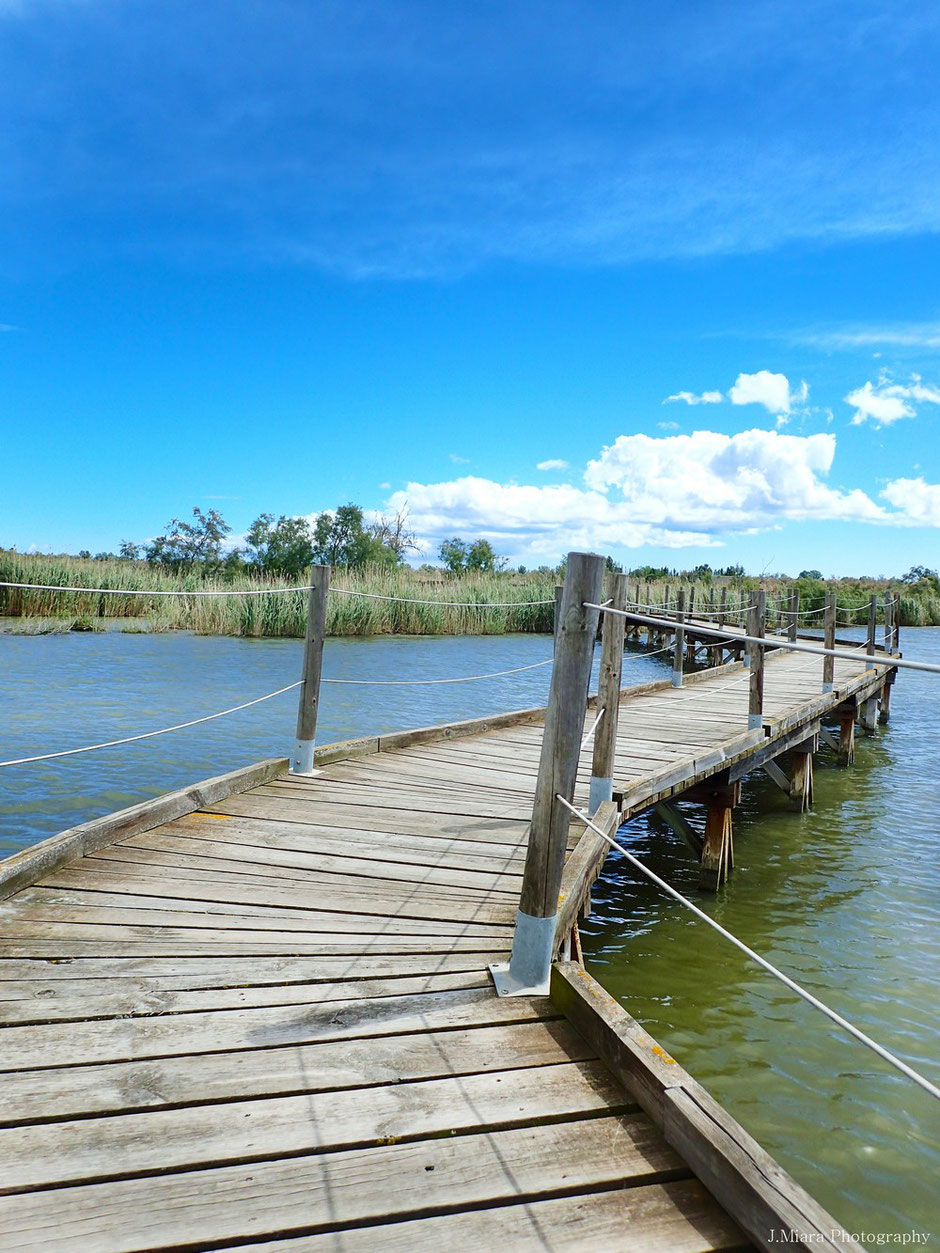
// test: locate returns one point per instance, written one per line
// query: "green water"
(846, 900)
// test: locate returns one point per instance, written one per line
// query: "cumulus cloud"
(770, 390)
(918, 500)
(672, 492)
(690, 398)
(885, 402)
(553, 463)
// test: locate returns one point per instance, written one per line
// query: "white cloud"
(673, 492)
(669, 426)
(901, 335)
(767, 389)
(918, 500)
(458, 460)
(690, 398)
(553, 463)
(885, 402)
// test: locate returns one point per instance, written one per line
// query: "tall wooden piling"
(529, 967)
(679, 640)
(302, 760)
(829, 641)
(793, 624)
(755, 704)
(608, 694)
(872, 630)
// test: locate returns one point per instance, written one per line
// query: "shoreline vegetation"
(284, 615)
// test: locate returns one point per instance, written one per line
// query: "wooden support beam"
(829, 739)
(677, 822)
(718, 846)
(868, 715)
(801, 784)
(847, 739)
(779, 776)
(885, 710)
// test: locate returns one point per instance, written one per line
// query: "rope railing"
(782, 642)
(275, 591)
(844, 1023)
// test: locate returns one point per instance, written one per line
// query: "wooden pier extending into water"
(260, 1011)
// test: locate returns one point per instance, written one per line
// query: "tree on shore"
(480, 557)
(189, 544)
(283, 547)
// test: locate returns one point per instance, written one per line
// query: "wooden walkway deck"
(259, 1012)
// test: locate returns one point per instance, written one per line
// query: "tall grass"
(283, 614)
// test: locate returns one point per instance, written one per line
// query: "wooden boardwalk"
(259, 1012)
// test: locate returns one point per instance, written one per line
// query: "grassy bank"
(284, 614)
(278, 615)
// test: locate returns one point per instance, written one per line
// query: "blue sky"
(273, 257)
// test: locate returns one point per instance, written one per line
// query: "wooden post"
(558, 591)
(794, 624)
(884, 712)
(846, 737)
(691, 600)
(680, 639)
(897, 624)
(718, 847)
(829, 641)
(528, 970)
(723, 609)
(302, 761)
(608, 695)
(801, 782)
(872, 630)
(755, 704)
(889, 622)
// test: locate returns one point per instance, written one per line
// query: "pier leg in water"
(885, 712)
(801, 783)
(719, 798)
(868, 715)
(847, 735)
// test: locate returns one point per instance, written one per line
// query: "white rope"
(781, 642)
(595, 725)
(129, 591)
(148, 735)
(761, 961)
(271, 591)
(470, 678)
(452, 604)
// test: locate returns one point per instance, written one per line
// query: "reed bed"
(285, 613)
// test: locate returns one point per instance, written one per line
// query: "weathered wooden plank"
(341, 898)
(72, 942)
(374, 1185)
(85, 1150)
(26, 867)
(142, 1002)
(758, 1193)
(65, 1092)
(26, 1048)
(677, 1217)
(247, 858)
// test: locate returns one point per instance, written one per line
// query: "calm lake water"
(846, 899)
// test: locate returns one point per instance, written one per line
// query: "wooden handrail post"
(528, 970)
(755, 703)
(608, 695)
(302, 760)
(723, 609)
(897, 623)
(872, 630)
(829, 641)
(889, 622)
(680, 639)
(558, 591)
(794, 623)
